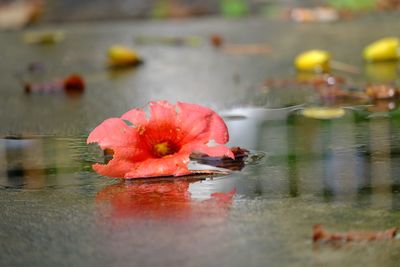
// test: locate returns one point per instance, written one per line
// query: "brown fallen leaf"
(321, 235)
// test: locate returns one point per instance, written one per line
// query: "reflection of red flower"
(160, 200)
(161, 145)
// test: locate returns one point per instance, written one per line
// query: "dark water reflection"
(342, 172)
(354, 157)
(161, 200)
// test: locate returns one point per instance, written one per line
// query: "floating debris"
(72, 85)
(382, 91)
(331, 89)
(122, 56)
(316, 14)
(235, 164)
(319, 61)
(313, 61)
(43, 37)
(321, 235)
(323, 113)
(385, 49)
(315, 80)
(216, 40)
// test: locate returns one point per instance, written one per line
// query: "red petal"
(162, 112)
(113, 133)
(123, 140)
(136, 116)
(201, 124)
(175, 165)
(219, 131)
(115, 168)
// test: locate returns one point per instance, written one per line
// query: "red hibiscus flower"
(162, 144)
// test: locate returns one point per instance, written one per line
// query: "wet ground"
(342, 172)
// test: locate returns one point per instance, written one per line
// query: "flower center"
(164, 149)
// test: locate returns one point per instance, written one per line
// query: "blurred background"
(17, 13)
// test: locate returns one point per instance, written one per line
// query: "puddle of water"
(341, 172)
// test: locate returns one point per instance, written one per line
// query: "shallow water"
(343, 173)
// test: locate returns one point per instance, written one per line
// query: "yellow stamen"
(162, 149)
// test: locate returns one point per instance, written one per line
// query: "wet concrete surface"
(342, 173)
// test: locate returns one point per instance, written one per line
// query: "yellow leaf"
(383, 50)
(313, 60)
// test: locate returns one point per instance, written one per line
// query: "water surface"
(343, 173)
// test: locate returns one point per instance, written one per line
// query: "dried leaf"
(381, 91)
(224, 162)
(321, 235)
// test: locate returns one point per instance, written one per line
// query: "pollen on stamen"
(165, 148)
